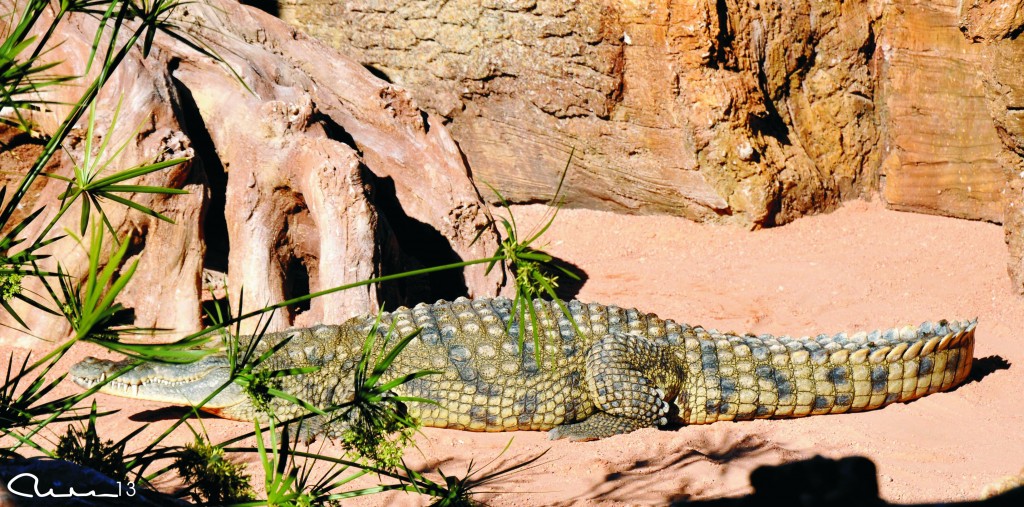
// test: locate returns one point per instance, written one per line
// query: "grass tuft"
(210, 477)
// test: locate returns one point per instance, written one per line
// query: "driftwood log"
(321, 175)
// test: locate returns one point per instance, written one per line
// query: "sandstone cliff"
(749, 112)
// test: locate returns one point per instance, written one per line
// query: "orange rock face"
(761, 112)
(942, 151)
(748, 112)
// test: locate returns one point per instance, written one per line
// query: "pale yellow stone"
(862, 387)
(859, 356)
(746, 380)
(913, 351)
(860, 401)
(748, 396)
(804, 398)
(769, 398)
(802, 372)
(896, 370)
(800, 357)
(896, 352)
(878, 356)
(840, 357)
(861, 372)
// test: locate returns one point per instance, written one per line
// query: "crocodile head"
(177, 384)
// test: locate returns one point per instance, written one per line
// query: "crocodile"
(615, 371)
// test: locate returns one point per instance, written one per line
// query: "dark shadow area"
(296, 284)
(846, 482)
(568, 288)
(646, 476)
(206, 161)
(218, 306)
(769, 123)
(11, 138)
(869, 47)
(722, 50)
(421, 246)
(378, 73)
(267, 6)
(335, 131)
(983, 367)
(160, 414)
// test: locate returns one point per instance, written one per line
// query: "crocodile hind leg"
(623, 374)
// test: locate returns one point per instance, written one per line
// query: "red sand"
(860, 268)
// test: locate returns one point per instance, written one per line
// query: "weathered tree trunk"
(307, 182)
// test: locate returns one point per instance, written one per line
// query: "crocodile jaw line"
(178, 384)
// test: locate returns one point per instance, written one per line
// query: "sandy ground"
(860, 268)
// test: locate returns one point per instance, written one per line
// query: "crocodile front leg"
(631, 381)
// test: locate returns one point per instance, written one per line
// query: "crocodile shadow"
(159, 414)
(627, 483)
(984, 367)
(645, 478)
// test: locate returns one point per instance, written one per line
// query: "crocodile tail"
(758, 377)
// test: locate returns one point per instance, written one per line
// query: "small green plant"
(459, 491)
(534, 270)
(210, 476)
(379, 425)
(84, 446)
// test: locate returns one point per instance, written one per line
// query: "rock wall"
(997, 27)
(942, 152)
(751, 112)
